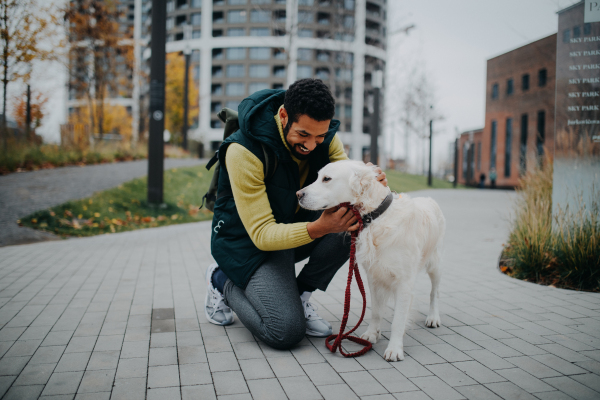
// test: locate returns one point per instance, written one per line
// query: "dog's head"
(340, 182)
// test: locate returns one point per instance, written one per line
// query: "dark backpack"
(230, 119)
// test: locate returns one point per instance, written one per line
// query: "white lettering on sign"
(592, 53)
(575, 40)
(575, 54)
(591, 39)
(574, 67)
(574, 94)
(591, 80)
(573, 108)
(590, 108)
(591, 66)
(574, 81)
(590, 94)
(592, 11)
(583, 122)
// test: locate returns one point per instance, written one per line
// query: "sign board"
(592, 11)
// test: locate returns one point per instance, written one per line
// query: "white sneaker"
(214, 305)
(315, 325)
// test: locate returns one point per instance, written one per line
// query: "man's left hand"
(380, 175)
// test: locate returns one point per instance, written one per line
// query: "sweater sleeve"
(248, 186)
(336, 150)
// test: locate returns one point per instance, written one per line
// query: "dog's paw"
(433, 321)
(394, 353)
(371, 336)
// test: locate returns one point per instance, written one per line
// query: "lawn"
(124, 208)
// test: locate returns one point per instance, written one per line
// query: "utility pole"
(28, 114)
(377, 83)
(455, 162)
(156, 149)
(429, 182)
(187, 35)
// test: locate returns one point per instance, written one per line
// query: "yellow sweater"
(247, 180)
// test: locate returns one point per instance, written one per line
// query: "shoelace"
(216, 301)
(310, 310)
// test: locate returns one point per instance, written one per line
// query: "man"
(259, 232)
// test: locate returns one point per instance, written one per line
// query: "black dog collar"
(372, 216)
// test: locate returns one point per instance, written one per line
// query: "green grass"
(124, 208)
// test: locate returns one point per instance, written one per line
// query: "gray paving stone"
(508, 390)
(217, 344)
(322, 374)
(448, 352)
(460, 342)
(284, 367)
(5, 382)
(132, 368)
(13, 365)
(558, 364)
(103, 360)
(417, 395)
(189, 338)
(533, 367)
(230, 382)
(163, 356)
(80, 345)
(477, 392)
(72, 362)
(191, 355)
(195, 374)
(247, 350)
(108, 343)
(23, 348)
(135, 349)
(563, 352)
(410, 368)
(31, 392)
(363, 383)
(572, 388)
(478, 372)
(300, 388)
(451, 375)
(163, 376)
(35, 374)
(556, 395)
(590, 380)
(224, 361)
(524, 380)
(423, 355)
(204, 392)
(337, 392)
(489, 359)
(97, 381)
(129, 389)
(93, 396)
(256, 368)
(392, 380)
(435, 388)
(266, 389)
(62, 383)
(239, 335)
(592, 366)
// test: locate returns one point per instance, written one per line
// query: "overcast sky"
(454, 39)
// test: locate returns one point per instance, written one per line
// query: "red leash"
(353, 269)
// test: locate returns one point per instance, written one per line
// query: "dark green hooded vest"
(231, 245)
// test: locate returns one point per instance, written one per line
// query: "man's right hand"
(333, 221)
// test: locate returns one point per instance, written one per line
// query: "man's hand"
(332, 221)
(380, 175)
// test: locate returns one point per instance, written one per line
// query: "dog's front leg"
(373, 332)
(404, 298)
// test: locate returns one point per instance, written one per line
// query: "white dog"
(404, 240)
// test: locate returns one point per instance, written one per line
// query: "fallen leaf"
(68, 213)
(146, 219)
(33, 220)
(80, 216)
(110, 209)
(91, 201)
(97, 215)
(52, 213)
(174, 216)
(161, 218)
(112, 228)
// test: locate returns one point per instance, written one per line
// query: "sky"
(452, 40)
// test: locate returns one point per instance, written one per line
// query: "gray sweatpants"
(270, 306)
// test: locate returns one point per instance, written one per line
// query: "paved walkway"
(25, 192)
(121, 316)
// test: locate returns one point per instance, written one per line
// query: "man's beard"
(299, 156)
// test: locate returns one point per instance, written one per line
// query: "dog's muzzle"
(300, 194)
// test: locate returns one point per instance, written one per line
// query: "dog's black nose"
(300, 194)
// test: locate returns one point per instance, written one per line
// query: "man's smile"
(302, 150)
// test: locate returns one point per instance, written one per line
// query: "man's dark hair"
(309, 97)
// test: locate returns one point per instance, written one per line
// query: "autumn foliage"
(174, 89)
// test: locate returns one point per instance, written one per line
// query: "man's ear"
(283, 116)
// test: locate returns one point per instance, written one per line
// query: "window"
(216, 89)
(349, 4)
(195, 56)
(260, 53)
(495, 91)
(306, 17)
(235, 89)
(170, 6)
(216, 124)
(541, 133)
(236, 32)
(305, 54)
(322, 73)
(256, 86)
(508, 147)
(343, 74)
(349, 22)
(236, 71)
(277, 86)
(279, 54)
(279, 71)
(525, 82)
(324, 18)
(217, 71)
(308, 3)
(217, 54)
(465, 161)
(576, 31)
(218, 17)
(181, 4)
(542, 77)
(217, 32)
(196, 73)
(236, 2)
(348, 111)
(232, 104)
(305, 33)
(179, 36)
(260, 16)
(197, 18)
(323, 56)
(170, 23)
(218, 2)
(260, 1)
(278, 32)
(259, 71)
(304, 71)
(479, 156)
(215, 106)
(566, 36)
(196, 3)
(509, 87)
(344, 58)
(236, 16)
(523, 145)
(236, 53)
(493, 145)
(196, 33)
(259, 32)
(279, 15)
(587, 28)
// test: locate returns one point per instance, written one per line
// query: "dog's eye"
(326, 179)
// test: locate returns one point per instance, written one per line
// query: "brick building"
(519, 116)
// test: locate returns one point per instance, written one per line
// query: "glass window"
(235, 89)
(196, 72)
(260, 1)
(510, 87)
(322, 73)
(216, 124)
(576, 31)
(587, 28)
(259, 71)
(259, 32)
(236, 53)
(343, 74)
(495, 91)
(236, 2)
(308, 3)
(217, 54)
(217, 32)
(260, 16)
(195, 55)
(304, 71)
(542, 77)
(170, 6)
(236, 16)
(216, 89)
(348, 22)
(306, 17)
(493, 145)
(236, 32)
(479, 156)
(279, 54)
(279, 71)
(541, 133)
(324, 18)
(216, 106)
(197, 18)
(323, 56)
(305, 54)
(279, 15)
(260, 53)
(348, 111)
(465, 161)
(305, 33)
(349, 4)
(344, 58)
(196, 33)
(236, 71)
(523, 145)
(566, 35)
(218, 2)
(525, 82)
(508, 147)
(277, 86)
(232, 104)
(256, 86)
(196, 3)
(218, 17)
(170, 23)
(217, 71)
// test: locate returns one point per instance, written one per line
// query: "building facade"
(519, 116)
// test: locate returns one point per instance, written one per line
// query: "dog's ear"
(362, 180)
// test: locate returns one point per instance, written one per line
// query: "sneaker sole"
(317, 334)
(212, 321)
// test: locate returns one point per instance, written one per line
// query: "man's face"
(303, 136)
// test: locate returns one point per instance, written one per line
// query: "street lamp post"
(377, 83)
(187, 35)
(429, 180)
(156, 149)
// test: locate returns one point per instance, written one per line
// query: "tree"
(174, 95)
(24, 27)
(98, 54)
(116, 119)
(37, 102)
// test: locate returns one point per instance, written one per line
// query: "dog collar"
(372, 216)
